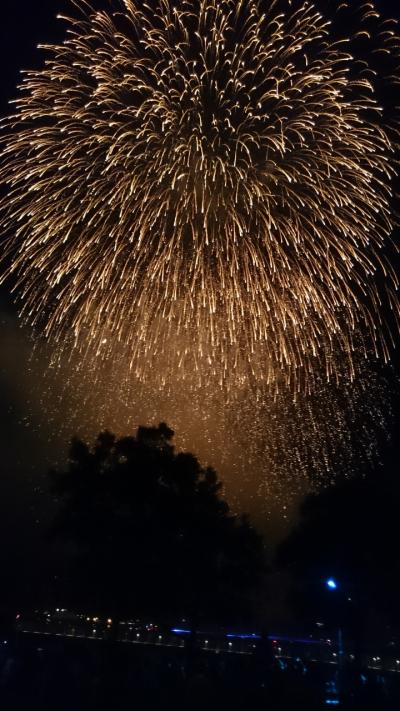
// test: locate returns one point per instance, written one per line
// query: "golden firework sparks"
(208, 181)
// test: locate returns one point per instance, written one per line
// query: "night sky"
(27, 440)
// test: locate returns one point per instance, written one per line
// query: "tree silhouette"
(144, 529)
(350, 532)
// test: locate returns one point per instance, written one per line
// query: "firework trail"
(207, 184)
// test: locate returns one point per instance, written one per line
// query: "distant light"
(331, 583)
(109, 621)
(230, 644)
(138, 635)
(206, 641)
(333, 702)
(177, 630)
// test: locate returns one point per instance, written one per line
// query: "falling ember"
(268, 447)
(207, 184)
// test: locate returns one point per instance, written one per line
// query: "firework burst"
(208, 181)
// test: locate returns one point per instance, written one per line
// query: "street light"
(332, 584)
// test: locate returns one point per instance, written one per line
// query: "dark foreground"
(40, 673)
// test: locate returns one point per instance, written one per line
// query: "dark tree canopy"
(144, 529)
(350, 532)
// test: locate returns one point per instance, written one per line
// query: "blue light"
(331, 583)
(179, 631)
(333, 702)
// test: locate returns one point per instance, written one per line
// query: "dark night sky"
(24, 24)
